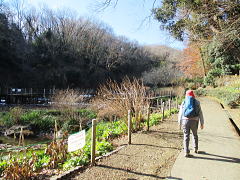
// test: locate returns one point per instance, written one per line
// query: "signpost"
(76, 141)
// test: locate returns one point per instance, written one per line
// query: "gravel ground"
(150, 156)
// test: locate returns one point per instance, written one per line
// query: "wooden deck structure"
(25, 95)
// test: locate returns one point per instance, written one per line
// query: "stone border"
(237, 129)
(71, 171)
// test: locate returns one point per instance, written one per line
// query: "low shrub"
(30, 117)
(53, 112)
(43, 120)
(42, 160)
(102, 147)
(156, 118)
(5, 120)
(226, 95)
(87, 113)
(209, 80)
(200, 92)
(79, 160)
(108, 130)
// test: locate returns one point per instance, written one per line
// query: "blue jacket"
(197, 118)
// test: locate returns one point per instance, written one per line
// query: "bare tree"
(117, 99)
(68, 101)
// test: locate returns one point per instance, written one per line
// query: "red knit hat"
(190, 93)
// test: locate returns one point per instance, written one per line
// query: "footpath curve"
(219, 146)
(150, 156)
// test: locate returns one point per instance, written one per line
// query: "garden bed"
(150, 156)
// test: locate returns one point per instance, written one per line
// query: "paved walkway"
(219, 147)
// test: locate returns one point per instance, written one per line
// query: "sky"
(129, 18)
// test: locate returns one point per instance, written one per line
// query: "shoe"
(186, 155)
(196, 151)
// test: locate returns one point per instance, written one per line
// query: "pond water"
(27, 141)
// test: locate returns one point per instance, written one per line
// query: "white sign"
(76, 141)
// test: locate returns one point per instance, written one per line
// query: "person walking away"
(190, 114)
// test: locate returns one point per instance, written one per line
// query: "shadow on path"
(173, 178)
(218, 158)
(150, 145)
(133, 172)
(162, 132)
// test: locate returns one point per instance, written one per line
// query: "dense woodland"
(46, 48)
(212, 28)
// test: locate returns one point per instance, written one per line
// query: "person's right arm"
(180, 115)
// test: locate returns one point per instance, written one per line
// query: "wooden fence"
(167, 105)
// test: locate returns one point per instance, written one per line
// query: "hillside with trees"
(167, 70)
(213, 27)
(46, 48)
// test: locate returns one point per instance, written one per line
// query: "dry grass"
(116, 99)
(228, 80)
(20, 169)
(68, 101)
(176, 91)
(16, 114)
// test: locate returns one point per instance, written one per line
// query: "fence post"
(148, 114)
(169, 106)
(44, 93)
(157, 103)
(129, 127)
(176, 102)
(93, 149)
(163, 105)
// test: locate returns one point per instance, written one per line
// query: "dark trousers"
(188, 125)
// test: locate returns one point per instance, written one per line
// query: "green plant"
(46, 122)
(79, 160)
(42, 160)
(155, 118)
(209, 80)
(53, 112)
(107, 130)
(87, 148)
(39, 120)
(174, 111)
(87, 113)
(30, 116)
(3, 165)
(102, 147)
